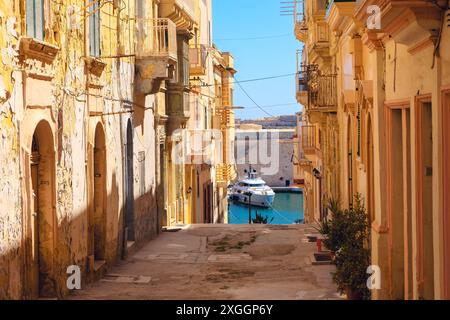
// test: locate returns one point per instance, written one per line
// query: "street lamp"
(249, 195)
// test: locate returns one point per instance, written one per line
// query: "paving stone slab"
(167, 256)
(229, 258)
(122, 278)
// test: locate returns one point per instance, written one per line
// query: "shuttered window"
(140, 9)
(359, 130)
(35, 19)
(94, 29)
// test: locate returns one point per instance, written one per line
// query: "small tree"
(347, 235)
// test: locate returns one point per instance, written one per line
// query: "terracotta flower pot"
(353, 294)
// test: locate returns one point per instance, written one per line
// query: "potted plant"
(347, 237)
(350, 276)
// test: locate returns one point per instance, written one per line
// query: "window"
(94, 29)
(358, 117)
(140, 23)
(35, 19)
(231, 97)
(140, 9)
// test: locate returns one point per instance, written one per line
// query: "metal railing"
(329, 3)
(302, 80)
(156, 38)
(323, 91)
(309, 141)
(223, 173)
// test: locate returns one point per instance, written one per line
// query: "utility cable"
(256, 104)
(250, 80)
(254, 38)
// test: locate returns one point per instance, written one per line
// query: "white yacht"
(261, 194)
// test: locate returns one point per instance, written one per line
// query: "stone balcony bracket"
(340, 15)
(95, 66)
(151, 72)
(36, 49)
(411, 23)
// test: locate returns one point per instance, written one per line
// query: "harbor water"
(287, 209)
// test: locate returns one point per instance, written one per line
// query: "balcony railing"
(309, 139)
(302, 80)
(224, 173)
(329, 3)
(301, 28)
(156, 38)
(323, 91)
(197, 59)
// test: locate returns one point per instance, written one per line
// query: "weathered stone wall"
(73, 99)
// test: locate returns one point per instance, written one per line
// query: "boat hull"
(264, 201)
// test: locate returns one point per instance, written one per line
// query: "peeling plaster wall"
(73, 100)
(10, 205)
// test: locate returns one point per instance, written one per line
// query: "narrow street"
(238, 262)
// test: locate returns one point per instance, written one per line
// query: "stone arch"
(97, 220)
(42, 223)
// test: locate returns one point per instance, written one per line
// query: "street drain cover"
(121, 278)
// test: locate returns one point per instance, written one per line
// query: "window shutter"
(359, 131)
(34, 16)
(94, 30)
(140, 8)
(97, 29)
(30, 18)
(39, 14)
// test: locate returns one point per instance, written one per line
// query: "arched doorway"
(42, 168)
(129, 185)
(98, 219)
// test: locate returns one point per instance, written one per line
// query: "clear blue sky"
(257, 58)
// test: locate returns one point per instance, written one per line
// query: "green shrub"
(347, 235)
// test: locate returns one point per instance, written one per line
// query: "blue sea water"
(287, 209)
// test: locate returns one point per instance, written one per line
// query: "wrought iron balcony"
(224, 173)
(225, 116)
(156, 38)
(197, 60)
(322, 92)
(300, 29)
(309, 141)
(329, 3)
(302, 85)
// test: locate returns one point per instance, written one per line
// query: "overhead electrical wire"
(251, 80)
(275, 105)
(258, 106)
(254, 38)
(256, 103)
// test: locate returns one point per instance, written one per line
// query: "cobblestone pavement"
(220, 262)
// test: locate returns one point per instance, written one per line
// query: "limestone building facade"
(91, 93)
(374, 77)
